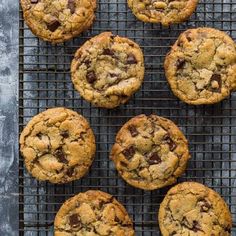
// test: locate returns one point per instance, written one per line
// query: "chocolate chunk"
(34, 1)
(170, 142)
(129, 152)
(70, 171)
(131, 59)
(108, 52)
(91, 77)
(154, 159)
(180, 63)
(64, 134)
(53, 25)
(133, 131)
(74, 220)
(215, 80)
(60, 155)
(71, 5)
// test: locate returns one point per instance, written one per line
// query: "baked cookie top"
(164, 11)
(58, 145)
(58, 20)
(93, 213)
(193, 209)
(150, 152)
(201, 66)
(107, 70)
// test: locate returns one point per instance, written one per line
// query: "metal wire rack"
(44, 81)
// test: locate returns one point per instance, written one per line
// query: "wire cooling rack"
(44, 81)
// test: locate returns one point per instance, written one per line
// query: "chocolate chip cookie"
(165, 12)
(58, 20)
(191, 208)
(150, 152)
(58, 145)
(93, 213)
(201, 66)
(107, 70)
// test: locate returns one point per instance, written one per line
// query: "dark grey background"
(8, 117)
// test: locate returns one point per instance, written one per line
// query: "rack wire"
(44, 81)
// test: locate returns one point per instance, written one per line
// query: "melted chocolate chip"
(131, 59)
(113, 75)
(60, 155)
(71, 5)
(154, 159)
(74, 220)
(70, 171)
(170, 142)
(64, 134)
(53, 25)
(91, 77)
(129, 152)
(180, 63)
(34, 1)
(216, 78)
(133, 131)
(108, 52)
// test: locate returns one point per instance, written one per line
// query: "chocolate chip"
(34, 1)
(108, 52)
(71, 5)
(133, 131)
(180, 63)
(39, 135)
(131, 59)
(123, 164)
(87, 62)
(187, 34)
(91, 77)
(170, 142)
(70, 171)
(60, 155)
(74, 220)
(228, 229)
(205, 206)
(215, 78)
(129, 152)
(53, 25)
(196, 226)
(113, 75)
(64, 134)
(173, 233)
(154, 159)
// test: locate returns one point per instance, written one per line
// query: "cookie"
(150, 152)
(58, 145)
(201, 66)
(193, 209)
(58, 20)
(165, 12)
(107, 70)
(93, 213)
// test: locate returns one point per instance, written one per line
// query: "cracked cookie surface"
(93, 213)
(201, 66)
(58, 20)
(58, 145)
(164, 11)
(107, 70)
(150, 152)
(193, 209)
